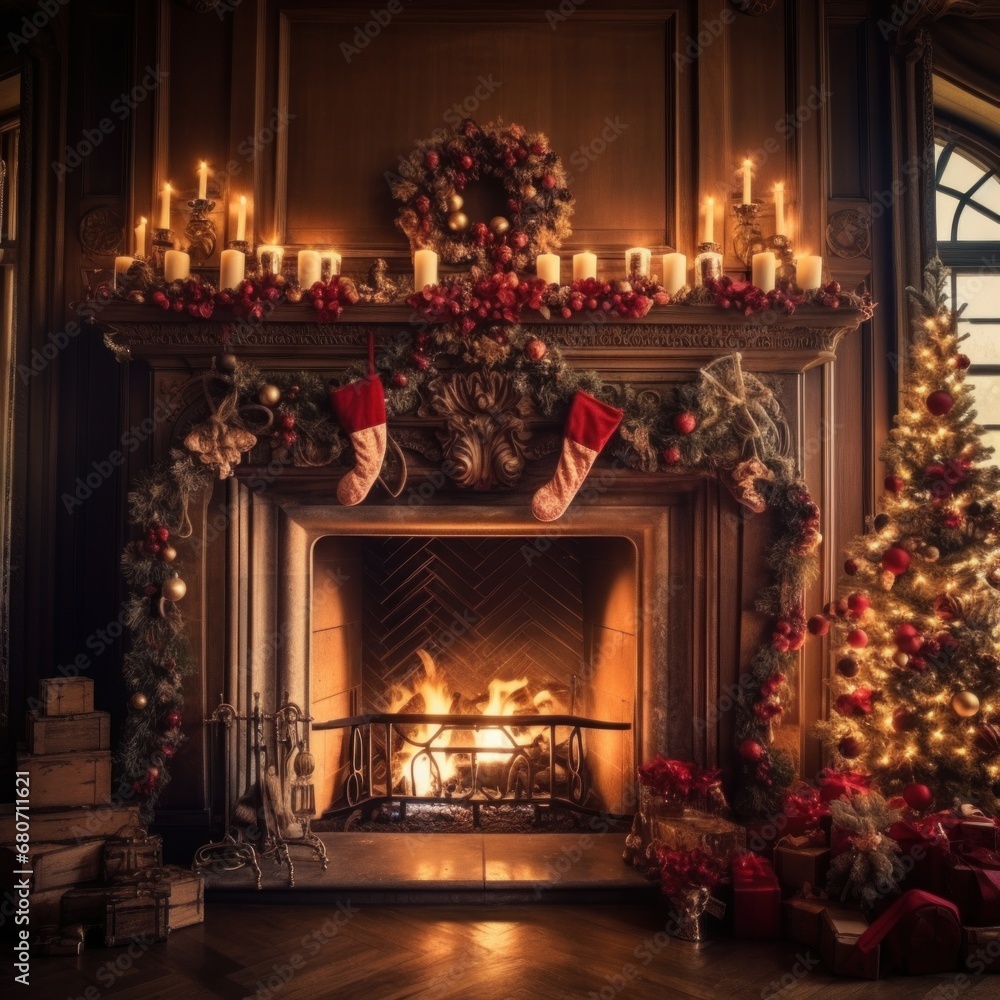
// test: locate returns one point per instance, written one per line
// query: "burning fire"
(437, 771)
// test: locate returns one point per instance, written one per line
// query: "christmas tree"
(916, 695)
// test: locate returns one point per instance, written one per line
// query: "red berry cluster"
(156, 543)
(285, 422)
(253, 297)
(329, 298)
(828, 295)
(499, 298)
(789, 633)
(767, 706)
(190, 296)
(943, 477)
(604, 298)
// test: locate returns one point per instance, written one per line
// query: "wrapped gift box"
(802, 919)
(922, 850)
(132, 850)
(979, 833)
(756, 898)
(919, 935)
(981, 949)
(972, 880)
(796, 863)
(839, 934)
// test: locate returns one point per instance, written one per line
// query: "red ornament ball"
(751, 750)
(896, 560)
(420, 361)
(962, 361)
(894, 484)
(173, 718)
(535, 350)
(849, 747)
(851, 567)
(857, 638)
(940, 402)
(818, 625)
(672, 455)
(163, 533)
(917, 796)
(903, 720)
(167, 750)
(908, 638)
(858, 604)
(400, 381)
(847, 666)
(685, 423)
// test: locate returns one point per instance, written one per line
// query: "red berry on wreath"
(548, 182)
(818, 625)
(420, 361)
(685, 423)
(288, 421)
(894, 484)
(940, 402)
(431, 160)
(849, 747)
(751, 750)
(400, 381)
(851, 567)
(918, 797)
(672, 455)
(535, 349)
(167, 750)
(163, 533)
(173, 718)
(466, 162)
(896, 560)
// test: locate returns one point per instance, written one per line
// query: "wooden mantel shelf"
(674, 338)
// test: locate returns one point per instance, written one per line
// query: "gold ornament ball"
(454, 202)
(529, 191)
(900, 658)
(269, 395)
(993, 577)
(931, 553)
(965, 704)
(499, 225)
(294, 295)
(138, 701)
(174, 588)
(458, 222)
(169, 554)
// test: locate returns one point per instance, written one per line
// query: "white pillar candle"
(122, 264)
(637, 261)
(308, 269)
(747, 174)
(764, 270)
(202, 180)
(584, 265)
(675, 272)
(329, 264)
(176, 265)
(140, 237)
(809, 272)
(708, 234)
(425, 269)
(547, 268)
(241, 219)
(165, 207)
(779, 209)
(271, 258)
(232, 269)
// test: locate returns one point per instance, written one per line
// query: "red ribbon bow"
(842, 784)
(749, 865)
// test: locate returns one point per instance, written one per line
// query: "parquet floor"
(302, 952)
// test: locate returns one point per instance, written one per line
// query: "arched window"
(967, 206)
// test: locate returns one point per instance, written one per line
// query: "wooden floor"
(539, 952)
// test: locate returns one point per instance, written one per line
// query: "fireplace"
(475, 670)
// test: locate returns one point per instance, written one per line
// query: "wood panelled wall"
(806, 89)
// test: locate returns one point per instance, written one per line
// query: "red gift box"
(972, 880)
(919, 935)
(802, 919)
(756, 898)
(922, 853)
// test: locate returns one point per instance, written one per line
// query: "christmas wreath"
(535, 217)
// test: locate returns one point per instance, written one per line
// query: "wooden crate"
(66, 695)
(132, 851)
(68, 779)
(187, 894)
(80, 823)
(65, 733)
(55, 865)
(123, 913)
(44, 907)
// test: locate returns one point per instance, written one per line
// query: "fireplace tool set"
(274, 812)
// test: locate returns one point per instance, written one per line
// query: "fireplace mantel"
(676, 339)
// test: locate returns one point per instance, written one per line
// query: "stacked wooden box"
(79, 840)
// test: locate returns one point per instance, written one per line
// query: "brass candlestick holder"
(748, 239)
(708, 263)
(162, 240)
(200, 230)
(784, 254)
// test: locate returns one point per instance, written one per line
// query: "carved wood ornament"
(485, 427)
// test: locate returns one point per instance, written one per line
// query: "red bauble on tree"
(818, 625)
(751, 750)
(896, 560)
(849, 747)
(847, 666)
(940, 402)
(851, 567)
(894, 484)
(857, 638)
(857, 605)
(535, 350)
(918, 797)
